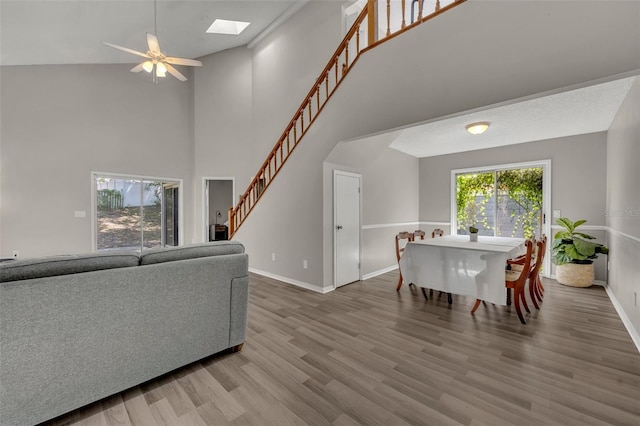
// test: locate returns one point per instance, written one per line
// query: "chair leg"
(449, 298)
(424, 293)
(475, 306)
(538, 289)
(399, 282)
(532, 293)
(518, 296)
(524, 301)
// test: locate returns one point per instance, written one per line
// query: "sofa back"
(25, 269)
(76, 329)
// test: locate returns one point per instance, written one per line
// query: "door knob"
(339, 227)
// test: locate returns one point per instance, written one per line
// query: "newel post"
(232, 222)
(372, 21)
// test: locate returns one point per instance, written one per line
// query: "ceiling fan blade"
(138, 67)
(183, 61)
(126, 49)
(174, 72)
(154, 45)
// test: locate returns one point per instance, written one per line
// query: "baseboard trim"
(288, 280)
(635, 335)
(379, 272)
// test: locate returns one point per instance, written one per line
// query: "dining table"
(456, 265)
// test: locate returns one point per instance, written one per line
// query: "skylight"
(223, 26)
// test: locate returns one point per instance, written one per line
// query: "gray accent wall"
(59, 123)
(623, 207)
(578, 179)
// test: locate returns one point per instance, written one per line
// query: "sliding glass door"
(501, 201)
(134, 213)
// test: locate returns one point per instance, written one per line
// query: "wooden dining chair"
(516, 280)
(536, 288)
(419, 234)
(408, 236)
(437, 233)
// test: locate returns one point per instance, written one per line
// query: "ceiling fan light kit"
(157, 63)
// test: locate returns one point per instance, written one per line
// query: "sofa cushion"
(65, 265)
(190, 251)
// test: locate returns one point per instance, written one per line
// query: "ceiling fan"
(157, 63)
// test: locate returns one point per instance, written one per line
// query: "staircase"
(346, 55)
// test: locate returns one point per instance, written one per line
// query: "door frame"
(205, 200)
(335, 211)
(546, 198)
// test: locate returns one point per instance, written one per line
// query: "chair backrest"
(418, 235)
(527, 266)
(540, 253)
(437, 233)
(402, 236)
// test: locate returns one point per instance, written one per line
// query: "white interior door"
(346, 204)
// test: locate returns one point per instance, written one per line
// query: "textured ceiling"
(573, 112)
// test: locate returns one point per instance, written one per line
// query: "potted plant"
(573, 254)
(473, 233)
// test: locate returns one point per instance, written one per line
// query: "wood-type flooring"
(368, 355)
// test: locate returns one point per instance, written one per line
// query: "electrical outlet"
(556, 214)
(273, 257)
(304, 263)
(16, 254)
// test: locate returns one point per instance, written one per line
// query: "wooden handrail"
(332, 75)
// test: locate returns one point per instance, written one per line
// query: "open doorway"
(218, 198)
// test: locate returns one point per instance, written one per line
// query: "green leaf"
(562, 234)
(578, 223)
(587, 236)
(573, 253)
(566, 223)
(557, 243)
(585, 248)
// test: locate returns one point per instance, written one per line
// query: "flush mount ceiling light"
(223, 26)
(478, 127)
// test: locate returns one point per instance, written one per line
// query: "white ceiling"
(573, 112)
(72, 31)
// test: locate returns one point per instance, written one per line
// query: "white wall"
(623, 207)
(59, 123)
(390, 194)
(222, 126)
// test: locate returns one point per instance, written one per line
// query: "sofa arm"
(239, 303)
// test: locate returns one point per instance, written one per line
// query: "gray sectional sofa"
(76, 329)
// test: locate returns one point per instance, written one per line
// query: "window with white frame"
(507, 200)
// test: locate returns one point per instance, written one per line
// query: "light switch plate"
(556, 214)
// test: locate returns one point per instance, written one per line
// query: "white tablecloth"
(456, 265)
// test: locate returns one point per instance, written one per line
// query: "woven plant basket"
(575, 275)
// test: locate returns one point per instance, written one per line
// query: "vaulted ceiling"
(38, 32)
